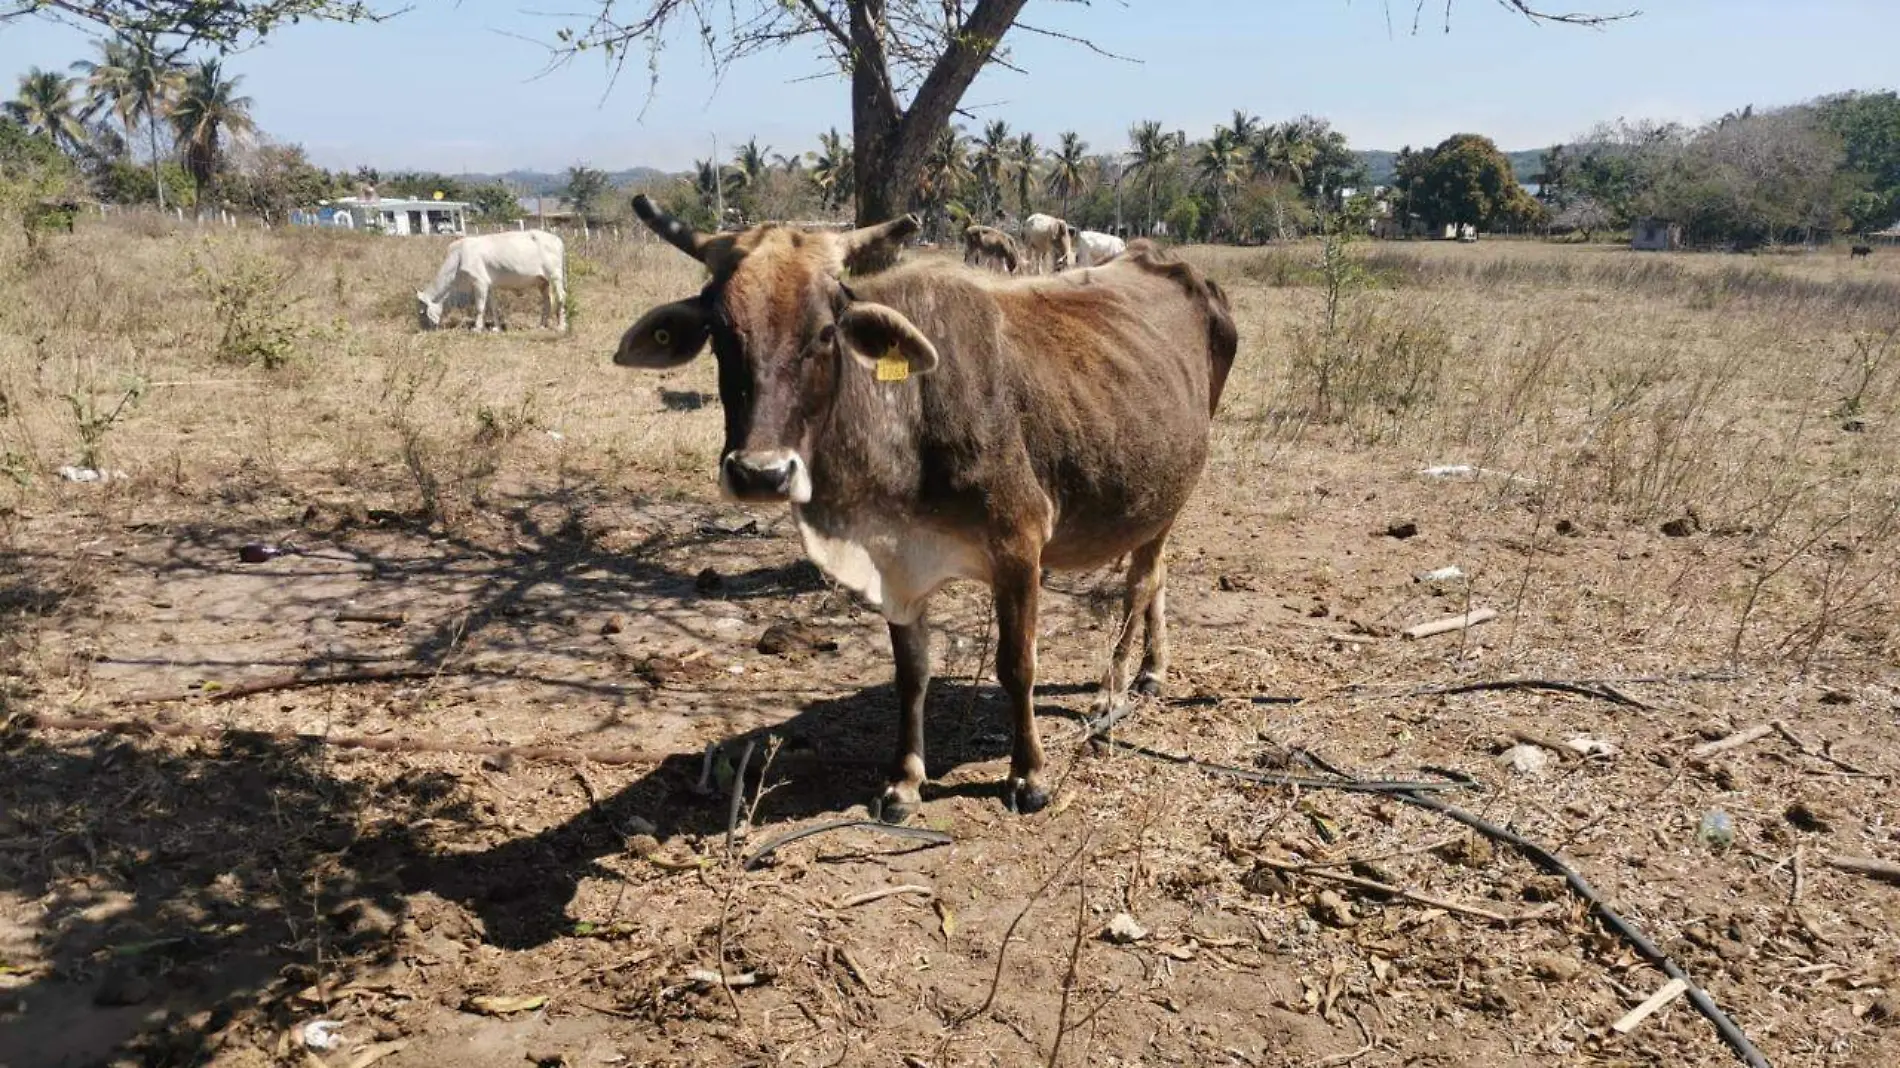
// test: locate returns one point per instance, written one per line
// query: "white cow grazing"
(1093, 248)
(523, 259)
(1048, 239)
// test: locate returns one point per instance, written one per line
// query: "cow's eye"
(827, 337)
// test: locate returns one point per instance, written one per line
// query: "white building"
(400, 216)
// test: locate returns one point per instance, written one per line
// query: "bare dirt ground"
(540, 534)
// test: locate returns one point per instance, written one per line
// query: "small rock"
(1681, 527)
(1567, 529)
(709, 582)
(642, 845)
(1885, 1011)
(1591, 747)
(1401, 529)
(1235, 583)
(1808, 816)
(1525, 759)
(639, 825)
(1266, 882)
(1836, 697)
(1122, 930)
(612, 625)
(499, 761)
(122, 986)
(547, 1058)
(786, 637)
(1854, 426)
(1555, 967)
(1330, 908)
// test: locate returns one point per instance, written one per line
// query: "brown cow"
(986, 246)
(930, 423)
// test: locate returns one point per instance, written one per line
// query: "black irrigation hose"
(1730, 1031)
(1418, 794)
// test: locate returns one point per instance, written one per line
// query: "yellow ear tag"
(662, 338)
(892, 366)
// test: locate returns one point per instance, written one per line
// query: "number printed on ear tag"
(892, 366)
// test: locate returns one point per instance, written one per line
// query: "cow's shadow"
(829, 760)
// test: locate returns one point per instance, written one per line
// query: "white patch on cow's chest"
(894, 568)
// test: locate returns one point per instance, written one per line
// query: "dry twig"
(1413, 896)
(883, 892)
(929, 838)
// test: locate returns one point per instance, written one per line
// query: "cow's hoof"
(897, 804)
(1148, 685)
(1027, 796)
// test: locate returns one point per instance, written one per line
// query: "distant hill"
(1382, 162)
(543, 183)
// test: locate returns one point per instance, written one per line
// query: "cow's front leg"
(1016, 585)
(910, 647)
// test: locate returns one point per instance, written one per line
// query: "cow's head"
(428, 312)
(785, 329)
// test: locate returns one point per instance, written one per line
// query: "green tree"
(137, 81)
(831, 169)
(1152, 151)
(207, 110)
(273, 180)
(45, 106)
(990, 161)
(584, 188)
(1553, 178)
(494, 202)
(1068, 169)
(1868, 125)
(1465, 180)
(1024, 161)
(1222, 165)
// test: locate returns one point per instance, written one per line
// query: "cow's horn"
(676, 233)
(895, 230)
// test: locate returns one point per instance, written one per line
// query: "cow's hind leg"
(1016, 585)
(910, 647)
(1144, 600)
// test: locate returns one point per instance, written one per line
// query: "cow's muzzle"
(766, 476)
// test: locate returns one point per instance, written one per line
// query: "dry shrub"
(1370, 368)
(252, 304)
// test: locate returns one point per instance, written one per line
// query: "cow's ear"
(879, 337)
(667, 336)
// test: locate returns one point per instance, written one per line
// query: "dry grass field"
(1679, 473)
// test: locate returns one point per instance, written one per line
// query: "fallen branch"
(1580, 687)
(1632, 1019)
(1374, 886)
(286, 682)
(384, 619)
(138, 729)
(934, 838)
(1733, 741)
(1883, 870)
(1395, 787)
(1444, 626)
(1339, 1060)
(881, 893)
(1801, 744)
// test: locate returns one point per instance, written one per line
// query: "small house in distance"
(400, 216)
(1655, 235)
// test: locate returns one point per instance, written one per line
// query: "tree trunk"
(891, 143)
(158, 176)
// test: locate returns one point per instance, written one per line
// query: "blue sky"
(454, 86)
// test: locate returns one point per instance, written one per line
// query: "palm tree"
(208, 109)
(1068, 173)
(1284, 151)
(1245, 127)
(831, 169)
(45, 106)
(136, 81)
(990, 162)
(1222, 164)
(1028, 154)
(1153, 151)
(750, 164)
(945, 174)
